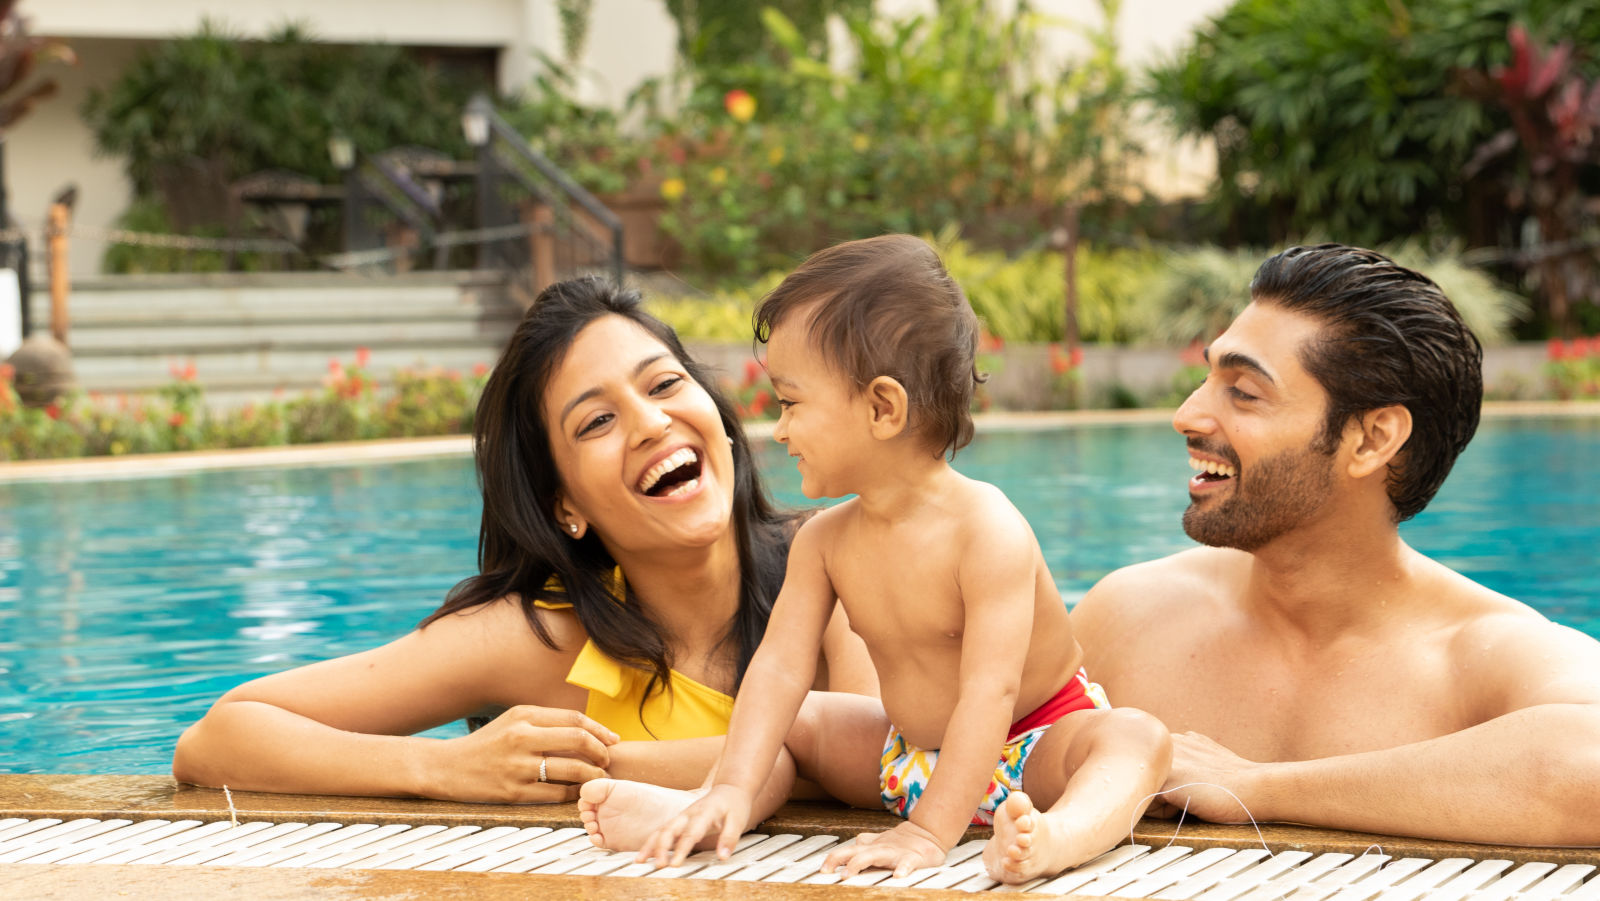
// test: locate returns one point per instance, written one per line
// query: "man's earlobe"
(1382, 433)
(890, 406)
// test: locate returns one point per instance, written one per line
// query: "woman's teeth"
(1212, 467)
(681, 457)
(681, 488)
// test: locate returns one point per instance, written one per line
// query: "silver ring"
(541, 769)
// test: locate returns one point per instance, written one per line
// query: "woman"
(628, 561)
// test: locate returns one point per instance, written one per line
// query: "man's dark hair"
(1391, 337)
(886, 306)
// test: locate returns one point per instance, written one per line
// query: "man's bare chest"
(1268, 706)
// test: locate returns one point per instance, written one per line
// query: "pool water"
(127, 607)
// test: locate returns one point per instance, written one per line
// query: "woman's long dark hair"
(520, 544)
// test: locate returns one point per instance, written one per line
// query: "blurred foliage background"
(1461, 133)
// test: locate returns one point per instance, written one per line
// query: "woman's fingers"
(571, 770)
(562, 716)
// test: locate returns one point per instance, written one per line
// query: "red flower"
(1193, 355)
(363, 357)
(1077, 357)
(336, 368)
(1059, 363)
(479, 370)
(53, 410)
(1556, 349)
(177, 420)
(752, 372)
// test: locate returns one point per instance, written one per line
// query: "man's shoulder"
(1184, 581)
(1199, 569)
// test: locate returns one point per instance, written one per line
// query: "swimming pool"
(126, 607)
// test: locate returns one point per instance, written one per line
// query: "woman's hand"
(500, 763)
(724, 808)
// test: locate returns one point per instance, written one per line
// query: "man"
(1307, 660)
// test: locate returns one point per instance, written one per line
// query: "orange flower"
(177, 420)
(479, 370)
(7, 372)
(739, 104)
(53, 410)
(1059, 363)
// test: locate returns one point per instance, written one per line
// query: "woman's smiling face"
(642, 453)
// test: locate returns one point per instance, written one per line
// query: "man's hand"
(1199, 766)
(902, 849)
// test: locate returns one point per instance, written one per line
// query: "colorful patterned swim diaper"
(906, 768)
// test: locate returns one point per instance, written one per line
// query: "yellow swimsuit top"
(688, 710)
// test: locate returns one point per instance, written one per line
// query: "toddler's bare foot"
(1028, 843)
(620, 815)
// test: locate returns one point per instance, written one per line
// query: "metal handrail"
(510, 139)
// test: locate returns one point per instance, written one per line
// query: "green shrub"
(1573, 368)
(1345, 117)
(1125, 295)
(812, 152)
(350, 406)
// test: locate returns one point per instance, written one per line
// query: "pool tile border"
(358, 453)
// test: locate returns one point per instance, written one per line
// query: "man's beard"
(1282, 492)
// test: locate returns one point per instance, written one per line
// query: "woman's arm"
(345, 726)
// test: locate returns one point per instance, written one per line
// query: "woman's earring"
(573, 527)
(730, 439)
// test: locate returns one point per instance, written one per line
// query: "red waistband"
(1072, 697)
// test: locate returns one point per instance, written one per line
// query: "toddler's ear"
(890, 407)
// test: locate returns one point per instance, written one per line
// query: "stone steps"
(251, 338)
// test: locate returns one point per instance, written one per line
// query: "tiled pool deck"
(159, 797)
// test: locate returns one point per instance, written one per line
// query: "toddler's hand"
(902, 849)
(723, 808)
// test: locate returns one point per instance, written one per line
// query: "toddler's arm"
(996, 578)
(770, 695)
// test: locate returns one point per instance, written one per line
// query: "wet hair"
(520, 543)
(1391, 337)
(886, 306)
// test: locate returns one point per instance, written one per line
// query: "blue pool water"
(126, 607)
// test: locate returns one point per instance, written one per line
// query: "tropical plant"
(586, 141)
(1341, 117)
(1546, 160)
(819, 150)
(1202, 290)
(190, 116)
(719, 34)
(20, 54)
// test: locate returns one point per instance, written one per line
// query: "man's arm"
(1529, 775)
